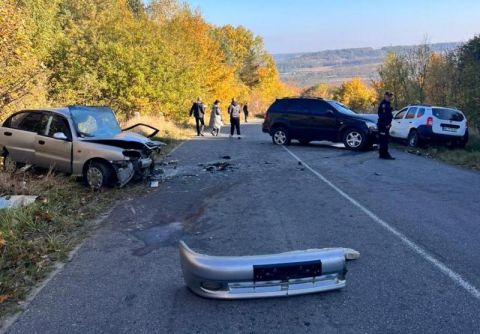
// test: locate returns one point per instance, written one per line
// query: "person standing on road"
(234, 112)
(385, 118)
(215, 119)
(245, 112)
(198, 111)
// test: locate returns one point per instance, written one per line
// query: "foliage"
(356, 94)
(322, 90)
(446, 79)
(151, 59)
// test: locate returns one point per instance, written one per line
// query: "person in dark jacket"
(234, 112)
(198, 111)
(245, 112)
(385, 118)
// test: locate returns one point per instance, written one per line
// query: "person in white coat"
(216, 119)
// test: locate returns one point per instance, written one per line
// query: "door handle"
(41, 142)
(8, 134)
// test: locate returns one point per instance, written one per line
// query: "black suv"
(309, 119)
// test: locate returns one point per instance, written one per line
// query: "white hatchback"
(422, 123)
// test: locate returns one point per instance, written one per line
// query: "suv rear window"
(448, 114)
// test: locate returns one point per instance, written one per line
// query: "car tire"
(280, 136)
(304, 142)
(355, 140)
(98, 175)
(413, 139)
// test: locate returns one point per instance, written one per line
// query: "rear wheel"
(413, 139)
(98, 175)
(354, 139)
(280, 136)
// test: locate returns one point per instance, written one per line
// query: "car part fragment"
(153, 134)
(285, 274)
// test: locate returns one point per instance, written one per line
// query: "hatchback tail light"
(430, 121)
(266, 116)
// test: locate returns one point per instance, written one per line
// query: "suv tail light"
(266, 116)
(430, 121)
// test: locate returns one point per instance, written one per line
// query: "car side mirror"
(330, 113)
(60, 135)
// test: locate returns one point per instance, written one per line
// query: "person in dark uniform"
(245, 112)
(198, 111)
(385, 118)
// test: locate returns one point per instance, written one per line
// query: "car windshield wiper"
(85, 135)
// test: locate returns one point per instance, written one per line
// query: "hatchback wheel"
(413, 138)
(280, 136)
(354, 139)
(98, 175)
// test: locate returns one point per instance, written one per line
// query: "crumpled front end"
(277, 275)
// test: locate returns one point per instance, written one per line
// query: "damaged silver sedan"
(78, 140)
(285, 274)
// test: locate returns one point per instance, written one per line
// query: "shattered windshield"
(94, 122)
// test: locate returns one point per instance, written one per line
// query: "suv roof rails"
(301, 97)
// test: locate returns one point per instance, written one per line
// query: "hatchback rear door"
(19, 132)
(448, 122)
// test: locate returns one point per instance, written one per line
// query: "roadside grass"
(35, 237)
(468, 157)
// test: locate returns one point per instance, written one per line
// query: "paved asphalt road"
(415, 221)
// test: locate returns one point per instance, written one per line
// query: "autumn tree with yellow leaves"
(150, 59)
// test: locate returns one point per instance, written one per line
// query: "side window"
(30, 121)
(312, 107)
(401, 114)
(15, 120)
(280, 106)
(411, 113)
(59, 124)
(421, 112)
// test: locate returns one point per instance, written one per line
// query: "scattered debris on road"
(220, 166)
(260, 276)
(226, 157)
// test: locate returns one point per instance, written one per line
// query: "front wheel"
(281, 136)
(98, 175)
(354, 139)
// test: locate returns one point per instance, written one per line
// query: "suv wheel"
(280, 136)
(413, 139)
(98, 175)
(354, 139)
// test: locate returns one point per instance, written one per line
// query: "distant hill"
(336, 66)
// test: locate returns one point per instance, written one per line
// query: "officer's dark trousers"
(234, 124)
(383, 139)
(200, 124)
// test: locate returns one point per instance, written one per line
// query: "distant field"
(335, 66)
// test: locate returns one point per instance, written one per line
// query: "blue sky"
(313, 25)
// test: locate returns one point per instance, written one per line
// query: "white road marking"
(176, 147)
(454, 276)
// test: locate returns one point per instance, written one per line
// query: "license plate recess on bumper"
(287, 271)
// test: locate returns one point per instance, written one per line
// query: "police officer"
(385, 118)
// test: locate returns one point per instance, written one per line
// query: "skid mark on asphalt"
(453, 275)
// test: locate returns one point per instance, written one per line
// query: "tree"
(322, 90)
(356, 95)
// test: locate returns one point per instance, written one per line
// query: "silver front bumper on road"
(285, 274)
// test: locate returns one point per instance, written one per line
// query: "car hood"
(127, 140)
(367, 117)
